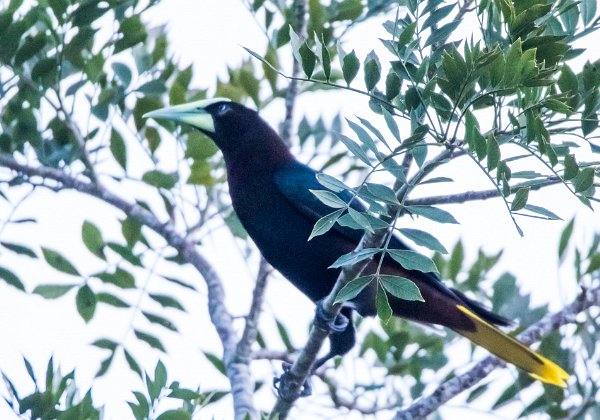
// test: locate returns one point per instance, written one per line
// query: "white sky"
(210, 34)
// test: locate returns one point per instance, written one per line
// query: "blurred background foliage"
(76, 78)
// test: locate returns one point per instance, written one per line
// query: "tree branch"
(480, 195)
(237, 373)
(448, 390)
(299, 26)
(243, 351)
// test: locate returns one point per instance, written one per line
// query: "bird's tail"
(512, 351)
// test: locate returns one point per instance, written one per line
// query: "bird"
(271, 194)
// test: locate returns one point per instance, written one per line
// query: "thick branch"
(448, 390)
(238, 373)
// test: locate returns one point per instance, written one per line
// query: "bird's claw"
(283, 385)
(324, 320)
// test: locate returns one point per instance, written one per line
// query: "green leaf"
(179, 414)
(92, 238)
(159, 320)
(384, 310)
(160, 375)
(588, 10)
(133, 364)
(31, 46)
(153, 139)
(152, 88)
(166, 301)
(391, 124)
(105, 343)
(160, 179)
(361, 219)
(433, 213)
(354, 257)
(149, 339)
(85, 302)
(493, 153)
(125, 252)
(352, 288)
(199, 146)
(520, 199)
(401, 287)
(372, 71)
(353, 147)
(542, 211)
(18, 249)
(200, 174)
(571, 167)
(325, 223)
(412, 260)
(111, 300)
(118, 148)
(133, 32)
(11, 278)
(424, 239)
(52, 291)
(383, 193)
(565, 236)
(584, 180)
(308, 59)
(331, 183)
(392, 86)
(119, 278)
(123, 73)
(442, 33)
(329, 199)
(594, 264)
(105, 365)
(215, 361)
(285, 337)
(324, 56)
(350, 66)
(58, 262)
(131, 230)
(407, 34)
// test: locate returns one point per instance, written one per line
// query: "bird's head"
(229, 124)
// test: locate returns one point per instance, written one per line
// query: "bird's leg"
(341, 341)
(325, 321)
(282, 384)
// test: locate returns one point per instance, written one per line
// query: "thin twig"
(480, 195)
(299, 26)
(449, 389)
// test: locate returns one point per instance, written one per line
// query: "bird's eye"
(223, 109)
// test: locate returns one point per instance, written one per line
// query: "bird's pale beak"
(193, 113)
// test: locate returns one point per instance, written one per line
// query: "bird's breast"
(281, 233)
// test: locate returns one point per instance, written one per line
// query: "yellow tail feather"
(512, 351)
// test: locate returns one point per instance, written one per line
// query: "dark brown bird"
(270, 192)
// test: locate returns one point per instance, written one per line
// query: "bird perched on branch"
(270, 192)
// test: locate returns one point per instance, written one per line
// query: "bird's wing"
(295, 182)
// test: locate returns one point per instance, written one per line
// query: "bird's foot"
(325, 321)
(284, 385)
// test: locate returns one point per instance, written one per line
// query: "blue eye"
(223, 109)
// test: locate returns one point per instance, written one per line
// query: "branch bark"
(238, 372)
(449, 389)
